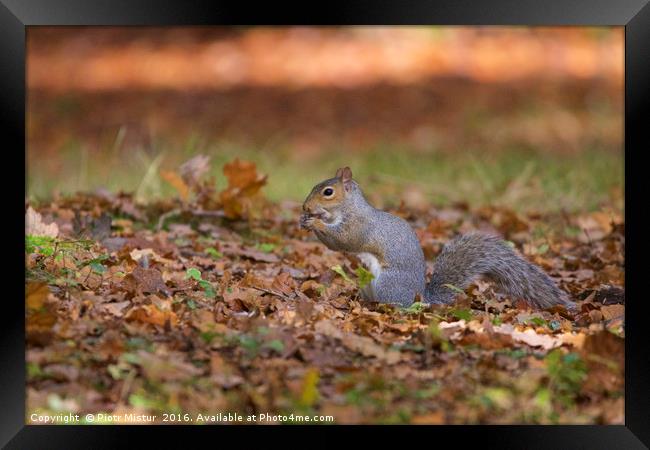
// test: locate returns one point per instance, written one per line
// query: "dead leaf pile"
(212, 313)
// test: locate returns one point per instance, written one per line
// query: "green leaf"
(462, 314)
(338, 269)
(566, 373)
(542, 249)
(205, 240)
(538, 321)
(138, 343)
(208, 289)
(131, 358)
(115, 371)
(193, 273)
(182, 242)
(428, 392)
(573, 231)
(571, 358)
(34, 370)
(363, 277)
(94, 263)
(250, 344)
(542, 400)
(276, 345)
(191, 303)
(415, 308)
(516, 354)
(208, 336)
(41, 244)
(266, 247)
(498, 397)
(213, 252)
(98, 267)
(418, 348)
(454, 288)
(141, 401)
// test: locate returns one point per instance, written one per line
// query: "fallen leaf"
(153, 315)
(604, 354)
(309, 389)
(177, 183)
(224, 373)
(284, 283)
(252, 254)
(242, 193)
(169, 367)
(529, 337)
(116, 309)
(594, 226)
(34, 225)
(193, 169)
(41, 315)
(89, 227)
(361, 344)
(138, 254)
(147, 281)
(612, 311)
(36, 295)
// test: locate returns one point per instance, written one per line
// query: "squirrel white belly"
(338, 213)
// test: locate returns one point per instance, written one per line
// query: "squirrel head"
(328, 197)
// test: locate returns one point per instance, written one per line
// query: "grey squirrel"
(338, 213)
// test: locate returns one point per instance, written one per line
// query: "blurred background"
(527, 118)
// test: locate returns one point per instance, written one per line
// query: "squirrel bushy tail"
(475, 254)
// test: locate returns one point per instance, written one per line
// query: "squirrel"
(342, 219)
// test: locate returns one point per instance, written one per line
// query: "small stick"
(167, 215)
(269, 291)
(178, 211)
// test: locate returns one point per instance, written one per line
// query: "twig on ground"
(272, 292)
(194, 212)
(167, 215)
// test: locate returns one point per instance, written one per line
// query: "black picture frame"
(634, 15)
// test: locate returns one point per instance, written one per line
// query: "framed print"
(354, 215)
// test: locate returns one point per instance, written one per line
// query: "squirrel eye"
(328, 192)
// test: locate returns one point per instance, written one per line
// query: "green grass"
(522, 179)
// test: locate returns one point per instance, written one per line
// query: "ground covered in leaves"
(215, 306)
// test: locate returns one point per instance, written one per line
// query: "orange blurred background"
(312, 96)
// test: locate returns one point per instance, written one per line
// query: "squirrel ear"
(346, 174)
(346, 178)
(339, 172)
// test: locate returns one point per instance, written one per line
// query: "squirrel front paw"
(307, 221)
(313, 222)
